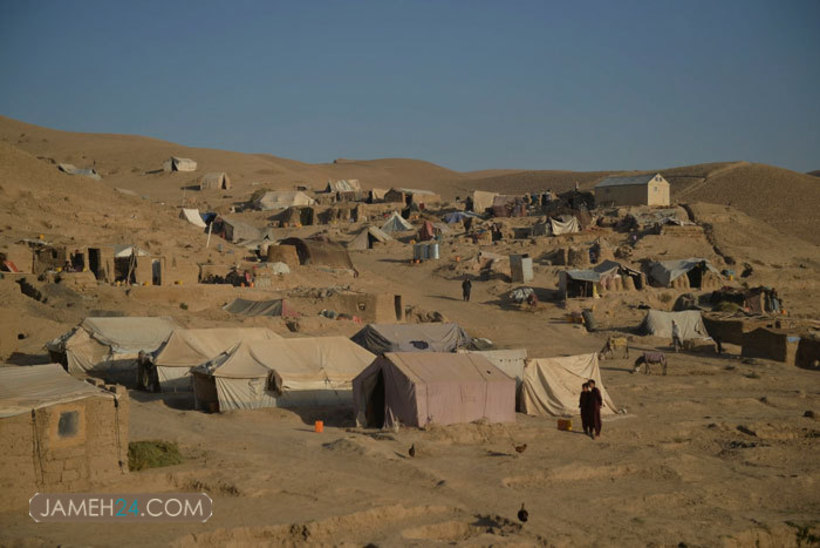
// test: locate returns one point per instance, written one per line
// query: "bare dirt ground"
(718, 452)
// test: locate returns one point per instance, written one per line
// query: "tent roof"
(429, 337)
(601, 270)
(270, 307)
(509, 361)
(125, 250)
(126, 335)
(445, 367)
(348, 185)
(667, 271)
(190, 347)
(416, 191)
(396, 223)
(23, 388)
(282, 199)
(628, 180)
(334, 359)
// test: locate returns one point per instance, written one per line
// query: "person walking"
(595, 404)
(676, 342)
(466, 289)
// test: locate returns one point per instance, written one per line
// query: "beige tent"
(419, 388)
(396, 223)
(109, 347)
(280, 373)
(174, 163)
(218, 180)
(552, 386)
(193, 217)
(659, 324)
(187, 348)
(283, 199)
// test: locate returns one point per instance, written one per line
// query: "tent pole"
(210, 229)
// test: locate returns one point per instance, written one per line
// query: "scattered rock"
(809, 414)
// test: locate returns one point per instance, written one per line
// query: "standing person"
(595, 404)
(583, 403)
(466, 288)
(676, 342)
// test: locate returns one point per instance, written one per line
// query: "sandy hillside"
(718, 452)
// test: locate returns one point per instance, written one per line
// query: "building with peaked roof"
(651, 190)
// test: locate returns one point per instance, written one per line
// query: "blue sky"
(587, 85)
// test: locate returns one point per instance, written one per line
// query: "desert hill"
(783, 198)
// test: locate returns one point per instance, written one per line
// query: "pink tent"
(419, 388)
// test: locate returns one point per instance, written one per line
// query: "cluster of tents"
(412, 374)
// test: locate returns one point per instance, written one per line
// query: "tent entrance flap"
(374, 410)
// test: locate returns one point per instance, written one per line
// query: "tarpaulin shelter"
(659, 324)
(85, 172)
(552, 386)
(606, 275)
(282, 199)
(193, 217)
(269, 307)
(482, 201)
(57, 432)
(564, 224)
(320, 253)
(368, 238)
(459, 216)
(188, 348)
(396, 223)
(697, 273)
(217, 180)
(109, 347)
(310, 371)
(377, 195)
(423, 337)
(417, 389)
(409, 196)
(344, 189)
(175, 163)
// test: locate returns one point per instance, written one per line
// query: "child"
(583, 403)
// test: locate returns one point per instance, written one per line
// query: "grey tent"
(659, 324)
(271, 307)
(236, 231)
(85, 172)
(664, 273)
(424, 337)
(368, 237)
(396, 223)
(417, 389)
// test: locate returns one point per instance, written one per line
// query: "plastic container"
(433, 250)
(319, 427)
(565, 424)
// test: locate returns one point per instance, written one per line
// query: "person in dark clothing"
(466, 288)
(583, 403)
(596, 402)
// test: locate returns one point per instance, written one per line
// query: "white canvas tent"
(690, 324)
(482, 200)
(175, 163)
(283, 199)
(109, 347)
(510, 361)
(193, 217)
(314, 371)
(396, 223)
(552, 386)
(188, 348)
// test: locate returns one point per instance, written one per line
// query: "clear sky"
(582, 85)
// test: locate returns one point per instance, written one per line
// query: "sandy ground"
(716, 452)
